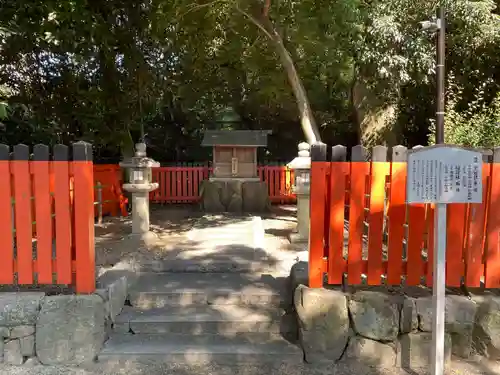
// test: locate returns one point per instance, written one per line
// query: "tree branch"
(267, 6)
(254, 21)
(194, 7)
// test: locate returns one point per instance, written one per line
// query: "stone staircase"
(205, 318)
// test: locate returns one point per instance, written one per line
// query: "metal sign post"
(442, 174)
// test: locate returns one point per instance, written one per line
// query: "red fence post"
(360, 169)
(23, 217)
(43, 213)
(6, 219)
(317, 214)
(62, 214)
(397, 215)
(84, 217)
(474, 253)
(416, 230)
(380, 170)
(492, 252)
(339, 170)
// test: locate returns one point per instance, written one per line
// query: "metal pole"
(439, 266)
(438, 295)
(441, 51)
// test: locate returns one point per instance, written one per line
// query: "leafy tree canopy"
(114, 71)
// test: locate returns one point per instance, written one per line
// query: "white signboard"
(444, 174)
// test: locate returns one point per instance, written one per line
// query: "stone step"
(225, 264)
(183, 289)
(207, 349)
(207, 319)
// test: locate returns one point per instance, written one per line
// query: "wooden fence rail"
(181, 184)
(363, 232)
(47, 220)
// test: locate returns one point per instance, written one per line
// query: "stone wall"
(382, 329)
(234, 196)
(58, 330)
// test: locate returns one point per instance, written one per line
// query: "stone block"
(299, 274)
(70, 329)
(27, 345)
(4, 332)
(235, 204)
(460, 313)
(323, 323)
(486, 334)
(19, 308)
(375, 315)
(32, 362)
(255, 196)
(21, 331)
(409, 316)
(212, 196)
(104, 294)
(12, 354)
(114, 295)
(232, 201)
(371, 353)
(414, 350)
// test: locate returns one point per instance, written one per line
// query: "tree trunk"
(374, 116)
(307, 120)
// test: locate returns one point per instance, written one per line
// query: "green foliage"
(476, 126)
(107, 71)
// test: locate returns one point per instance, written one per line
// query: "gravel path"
(457, 368)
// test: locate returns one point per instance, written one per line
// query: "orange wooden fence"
(363, 232)
(47, 220)
(181, 184)
(108, 193)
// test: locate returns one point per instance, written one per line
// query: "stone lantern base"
(143, 240)
(301, 165)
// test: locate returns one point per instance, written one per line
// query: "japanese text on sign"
(444, 174)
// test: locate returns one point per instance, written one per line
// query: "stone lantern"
(301, 166)
(140, 186)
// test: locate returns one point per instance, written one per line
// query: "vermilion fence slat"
(273, 184)
(474, 254)
(318, 169)
(416, 230)
(282, 174)
(181, 184)
(173, 183)
(430, 244)
(455, 244)
(84, 217)
(62, 214)
(397, 218)
(359, 171)
(43, 213)
(492, 256)
(180, 181)
(376, 220)
(6, 219)
(23, 216)
(185, 181)
(336, 262)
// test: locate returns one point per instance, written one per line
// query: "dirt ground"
(172, 224)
